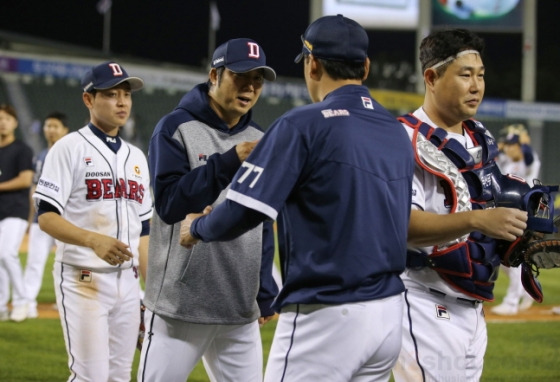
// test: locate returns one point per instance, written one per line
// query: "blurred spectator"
(16, 173)
(516, 158)
(40, 243)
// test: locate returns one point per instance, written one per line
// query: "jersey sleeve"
(533, 169)
(418, 188)
(24, 158)
(178, 189)
(268, 288)
(267, 177)
(55, 184)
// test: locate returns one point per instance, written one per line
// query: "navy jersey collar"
(114, 143)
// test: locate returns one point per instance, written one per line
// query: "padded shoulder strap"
(438, 137)
(482, 137)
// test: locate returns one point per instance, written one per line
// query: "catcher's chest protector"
(469, 263)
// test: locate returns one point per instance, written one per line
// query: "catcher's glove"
(534, 251)
(142, 329)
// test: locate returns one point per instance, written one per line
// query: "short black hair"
(9, 109)
(446, 43)
(219, 73)
(63, 118)
(344, 70)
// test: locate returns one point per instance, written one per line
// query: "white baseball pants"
(357, 342)
(12, 231)
(172, 348)
(40, 245)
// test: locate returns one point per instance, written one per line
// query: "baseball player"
(517, 158)
(94, 198)
(40, 243)
(207, 303)
(454, 252)
(337, 174)
(16, 173)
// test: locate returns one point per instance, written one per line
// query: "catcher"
(539, 246)
(461, 228)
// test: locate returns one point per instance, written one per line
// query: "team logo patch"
(88, 161)
(367, 102)
(86, 276)
(441, 312)
(137, 170)
(202, 157)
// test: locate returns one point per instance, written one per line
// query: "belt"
(465, 301)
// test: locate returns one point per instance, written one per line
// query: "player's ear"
(366, 68)
(314, 68)
(88, 99)
(430, 76)
(213, 76)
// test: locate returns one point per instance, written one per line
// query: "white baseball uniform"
(106, 192)
(427, 354)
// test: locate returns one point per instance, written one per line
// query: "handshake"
(185, 237)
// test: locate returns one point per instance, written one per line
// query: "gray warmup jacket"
(192, 160)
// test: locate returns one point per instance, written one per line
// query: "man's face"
(459, 91)
(235, 94)
(513, 150)
(110, 108)
(8, 124)
(53, 130)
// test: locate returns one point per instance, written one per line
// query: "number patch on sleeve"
(252, 172)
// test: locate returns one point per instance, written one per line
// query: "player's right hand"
(243, 149)
(185, 238)
(111, 250)
(503, 223)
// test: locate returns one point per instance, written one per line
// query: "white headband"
(451, 58)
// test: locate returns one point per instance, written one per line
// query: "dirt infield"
(536, 312)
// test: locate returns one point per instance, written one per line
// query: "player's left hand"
(186, 239)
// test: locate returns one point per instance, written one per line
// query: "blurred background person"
(55, 126)
(518, 158)
(16, 173)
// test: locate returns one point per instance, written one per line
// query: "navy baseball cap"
(335, 38)
(108, 75)
(242, 55)
(512, 138)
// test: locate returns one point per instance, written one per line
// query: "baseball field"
(525, 347)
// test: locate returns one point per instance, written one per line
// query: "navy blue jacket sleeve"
(268, 287)
(180, 190)
(527, 154)
(227, 221)
(230, 220)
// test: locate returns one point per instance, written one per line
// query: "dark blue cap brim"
(134, 82)
(244, 67)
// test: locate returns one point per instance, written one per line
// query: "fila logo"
(85, 276)
(254, 51)
(441, 312)
(117, 71)
(367, 102)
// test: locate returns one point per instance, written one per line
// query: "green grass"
(33, 350)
